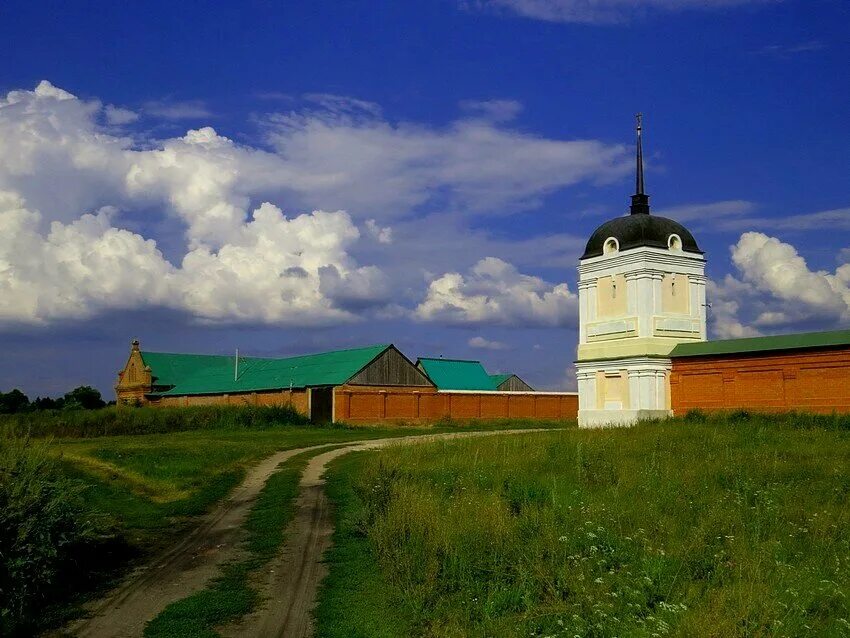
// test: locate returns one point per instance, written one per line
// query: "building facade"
(641, 292)
(361, 385)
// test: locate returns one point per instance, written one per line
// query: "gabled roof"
(499, 379)
(456, 374)
(799, 341)
(214, 374)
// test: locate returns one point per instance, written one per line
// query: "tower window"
(674, 242)
(611, 246)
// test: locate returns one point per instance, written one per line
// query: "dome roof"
(635, 230)
(640, 228)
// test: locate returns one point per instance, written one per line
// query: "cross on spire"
(640, 200)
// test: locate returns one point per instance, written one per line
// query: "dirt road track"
(292, 578)
(183, 568)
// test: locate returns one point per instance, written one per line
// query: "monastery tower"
(641, 292)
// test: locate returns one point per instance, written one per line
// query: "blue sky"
(459, 154)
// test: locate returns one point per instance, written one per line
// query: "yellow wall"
(611, 297)
(610, 388)
(675, 294)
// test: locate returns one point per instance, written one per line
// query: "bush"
(47, 536)
(14, 401)
(114, 420)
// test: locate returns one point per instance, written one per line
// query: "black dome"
(633, 231)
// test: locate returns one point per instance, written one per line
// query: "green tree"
(14, 401)
(85, 397)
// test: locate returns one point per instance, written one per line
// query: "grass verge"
(736, 526)
(355, 600)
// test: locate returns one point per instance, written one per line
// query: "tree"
(85, 397)
(46, 403)
(14, 401)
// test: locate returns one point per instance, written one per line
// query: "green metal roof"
(763, 344)
(499, 379)
(214, 374)
(456, 374)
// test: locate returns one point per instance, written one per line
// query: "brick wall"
(358, 404)
(808, 381)
(298, 399)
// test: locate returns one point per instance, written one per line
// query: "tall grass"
(116, 420)
(49, 540)
(730, 526)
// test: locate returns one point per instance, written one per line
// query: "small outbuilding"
(306, 382)
(510, 383)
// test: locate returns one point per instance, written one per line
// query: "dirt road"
(291, 579)
(183, 568)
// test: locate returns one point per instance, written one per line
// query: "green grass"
(230, 596)
(148, 487)
(116, 420)
(738, 526)
(355, 600)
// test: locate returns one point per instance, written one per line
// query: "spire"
(640, 200)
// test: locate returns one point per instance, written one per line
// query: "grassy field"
(140, 490)
(732, 527)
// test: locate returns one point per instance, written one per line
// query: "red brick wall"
(358, 404)
(813, 381)
(298, 398)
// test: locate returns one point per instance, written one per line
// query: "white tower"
(641, 291)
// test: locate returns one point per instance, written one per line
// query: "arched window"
(674, 242)
(611, 246)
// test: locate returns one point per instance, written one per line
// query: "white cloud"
(493, 110)
(485, 344)
(117, 116)
(58, 156)
(369, 164)
(177, 110)
(494, 292)
(77, 269)
(788, 50)
(777, 289)
(597, 11)
(382, 234)
(275, 270)
(709, 213)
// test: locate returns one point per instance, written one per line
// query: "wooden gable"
(391, 367)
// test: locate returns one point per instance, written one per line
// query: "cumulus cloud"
(596, 11)
(77, 269)
(494, 292)
(275, 270)
(64, 157)
(485, 344)
(776, 289)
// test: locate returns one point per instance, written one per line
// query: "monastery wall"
(811, 381)
(358, 404)
(297, 398)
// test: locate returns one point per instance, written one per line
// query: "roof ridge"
(244, 357)
(453, 360)
(786, 334)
